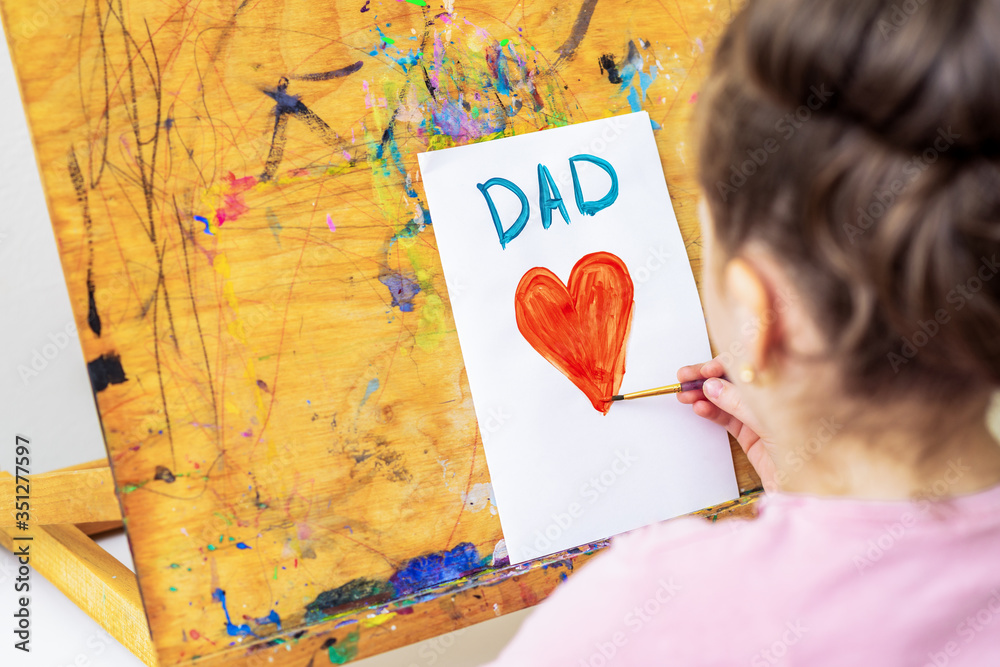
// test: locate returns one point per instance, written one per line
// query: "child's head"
(852, 147)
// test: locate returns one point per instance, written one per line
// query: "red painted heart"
(581, 329)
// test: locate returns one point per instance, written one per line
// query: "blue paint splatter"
(503, 74)
(202, 219)
(347, 622)
(633, 99)
(243, 545)
(646, 80)
(270, 618)
(631, 65)
(389, 141)
(407, 61)
(372, 388)
(234, 630)
(426, 571)
(401, 289)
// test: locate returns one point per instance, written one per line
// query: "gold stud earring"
(748, 375)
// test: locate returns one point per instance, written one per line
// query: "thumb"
(727, 397)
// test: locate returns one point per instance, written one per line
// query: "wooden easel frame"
(71, 504)
(67, 507)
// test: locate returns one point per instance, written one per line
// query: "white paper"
(563, 473)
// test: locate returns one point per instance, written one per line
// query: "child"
(850, 283)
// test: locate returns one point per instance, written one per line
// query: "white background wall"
(45, 396)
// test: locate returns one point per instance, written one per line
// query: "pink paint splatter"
(329, 223)
(233, 205)
(694, 98)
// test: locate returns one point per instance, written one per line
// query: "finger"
(726, 396)
(713, 413)
(713, 368)
(689, 373)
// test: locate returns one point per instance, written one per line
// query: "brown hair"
(859, 140)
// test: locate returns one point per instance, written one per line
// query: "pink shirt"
(813, 581)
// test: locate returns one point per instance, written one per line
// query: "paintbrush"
(662, 391)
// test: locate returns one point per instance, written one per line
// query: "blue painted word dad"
(549, 197)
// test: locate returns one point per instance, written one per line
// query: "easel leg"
(84, 572)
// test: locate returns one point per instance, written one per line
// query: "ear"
(749, 296)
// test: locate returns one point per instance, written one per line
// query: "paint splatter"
(372, 387)
(272, 617)
(234, 630)
(274, 225)
(607, 64)
(633, 100)
(243, 545)
(402, 290)
(329, 223)
(331, 601)
(105, 370)
(343, 652)
(500, 556)
(426, 571)
(581, 328)
(233, 205)
(202, 219)
(479, 497)
(580, 27)
(331, 74)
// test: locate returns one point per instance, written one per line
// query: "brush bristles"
(617, 398)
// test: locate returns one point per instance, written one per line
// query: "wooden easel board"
(253, 271)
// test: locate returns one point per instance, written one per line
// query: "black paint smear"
(164, 475)
(607, 63)
(80, 187)
(332, 74)
(427, 82)
(580, 27)
(93, 319)
(365, 8)
(105, 370)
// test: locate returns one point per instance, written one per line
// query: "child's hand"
(719, 401)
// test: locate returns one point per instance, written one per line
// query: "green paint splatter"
(211, 547)
(343, 652)
(418, 3)
(174, 566)
(361, 588)
(504, 42)
(173, 588)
